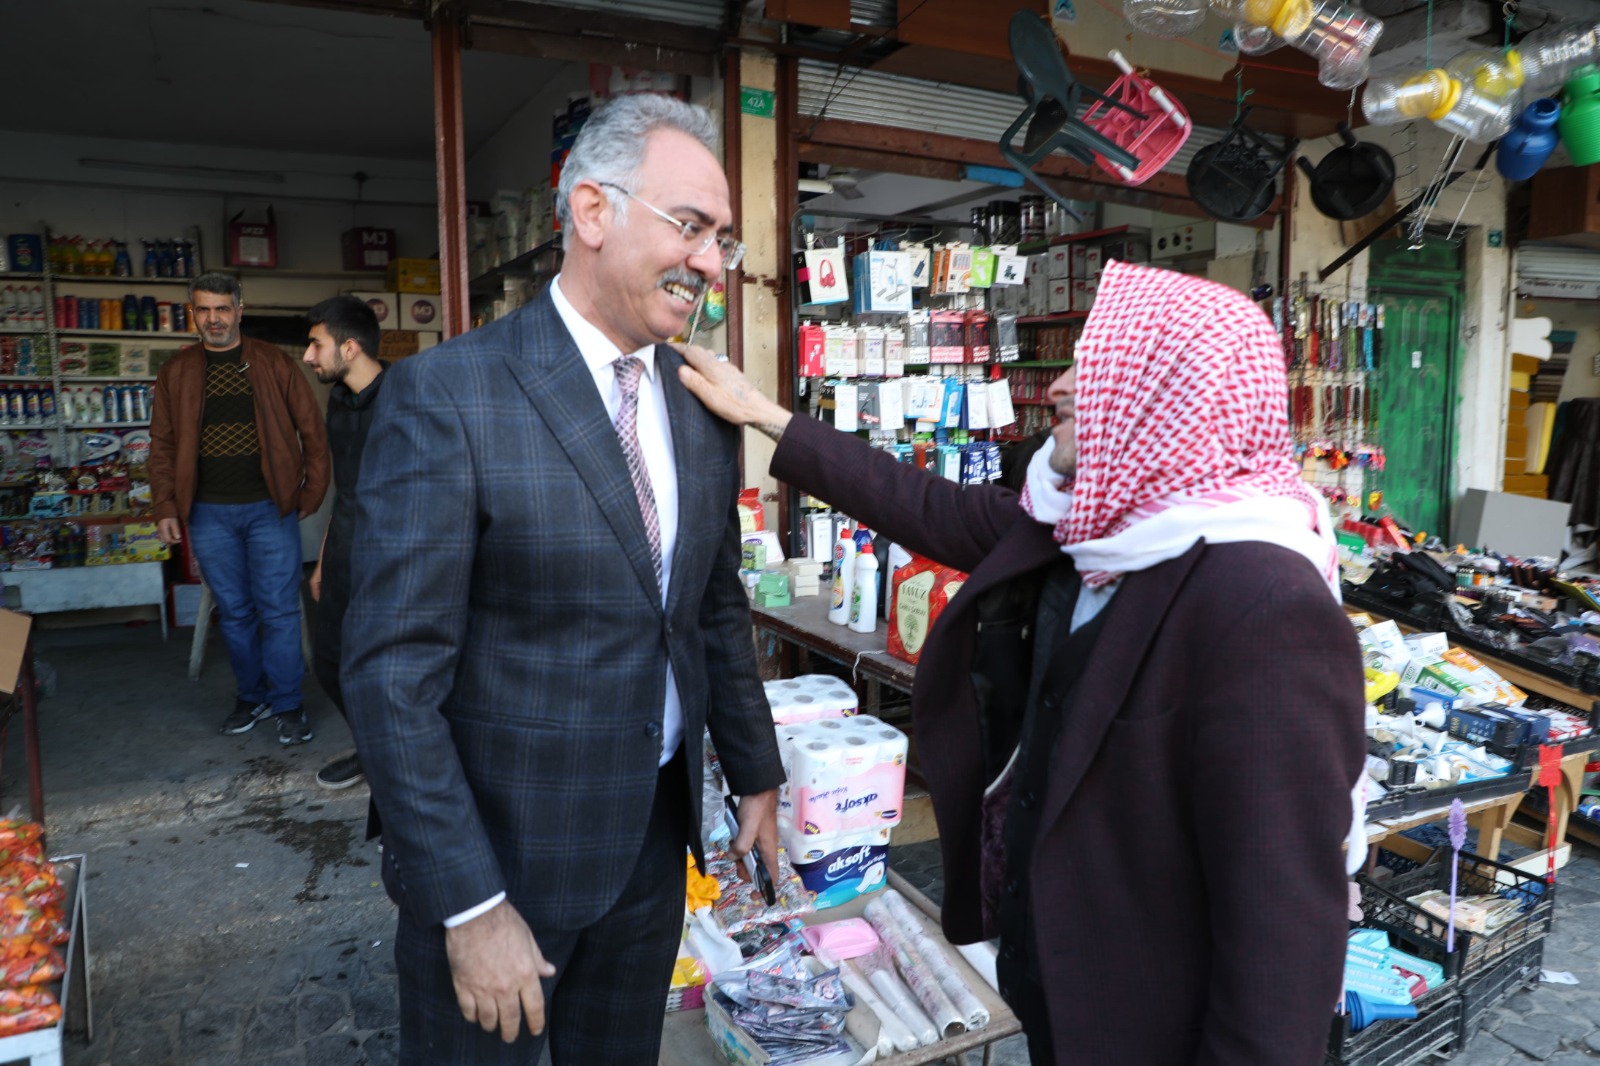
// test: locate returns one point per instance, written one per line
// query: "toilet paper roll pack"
(848, 865)
(810, 697)
(844, 774)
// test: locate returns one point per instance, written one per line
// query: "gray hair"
(220, 284)
(610, 147)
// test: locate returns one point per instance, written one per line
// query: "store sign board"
(758, 102)
(1558, 288)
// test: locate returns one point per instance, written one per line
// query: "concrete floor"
(235, 908)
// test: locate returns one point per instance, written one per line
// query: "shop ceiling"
(240, 73)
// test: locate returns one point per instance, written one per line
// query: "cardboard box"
(397, 343)
(386, 305)
(367, 248)
(1060, 298)
(413, 275)
(253, 244)
(184, 605)
(1509, 524)
(1058, 261)
(420, 311)
(14, 629)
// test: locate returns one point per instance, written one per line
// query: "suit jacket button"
(1029, 799)
(1012, 888)
(653, 730)
(1009, 952)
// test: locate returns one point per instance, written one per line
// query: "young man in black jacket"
(343, 343)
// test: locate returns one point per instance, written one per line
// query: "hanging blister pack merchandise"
(1332, 346)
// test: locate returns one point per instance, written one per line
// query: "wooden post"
(449, 155)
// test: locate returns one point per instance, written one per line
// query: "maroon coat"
(1188, 880)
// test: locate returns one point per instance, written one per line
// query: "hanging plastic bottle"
(1529, 144)
(1475, 95)
(1551, 56)
(1580, 117)
(1165, 18)
(1339, 36)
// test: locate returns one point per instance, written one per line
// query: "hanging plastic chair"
(1053, 97)
(1235, 178)
(1149, 122)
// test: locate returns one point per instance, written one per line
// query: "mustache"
(687, 278)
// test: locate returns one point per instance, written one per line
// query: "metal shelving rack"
(52, 284)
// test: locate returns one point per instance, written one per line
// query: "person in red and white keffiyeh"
(1174, 428)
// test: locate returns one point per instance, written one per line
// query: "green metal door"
(1415, 383)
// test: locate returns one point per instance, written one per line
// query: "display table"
(1491, 816)
(83, 588)
(804, 625)
(685, 1040)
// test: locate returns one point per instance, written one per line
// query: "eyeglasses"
(694, 235)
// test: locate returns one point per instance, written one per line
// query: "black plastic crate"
(1475, 953)
(1486, 991)
(1402, 1040)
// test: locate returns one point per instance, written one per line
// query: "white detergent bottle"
(844, 558)
(864, 596)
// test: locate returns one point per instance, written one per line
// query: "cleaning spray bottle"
(844, 558)
(864, 597)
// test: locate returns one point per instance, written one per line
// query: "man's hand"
(315, 583)
(495, 967)
(170, 530)
(728, 394)
(758, 825)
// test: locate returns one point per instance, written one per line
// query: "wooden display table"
(83, 588)
(805, 627)
(1491, 817)
(686, 1042)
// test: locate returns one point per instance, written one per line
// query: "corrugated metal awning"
(855, 95)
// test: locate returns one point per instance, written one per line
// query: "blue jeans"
(250, 558)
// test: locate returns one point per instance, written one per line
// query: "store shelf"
(520, 267)
(1054, 316)
(15, 427)
(18, 276)
(129, 334)
(116, 279)
(1038, 363)
(69, 380)
(45, 379)
(135, 424)
(295, 275)
(1034, 247)
(27, 331)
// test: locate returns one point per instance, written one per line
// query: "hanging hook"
(1350, 109)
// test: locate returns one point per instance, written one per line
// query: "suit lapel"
(547, 365)
(1134, 616)
(689, 449)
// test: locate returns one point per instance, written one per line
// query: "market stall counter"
(687, 1040)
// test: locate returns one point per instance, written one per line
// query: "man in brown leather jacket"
(238, 451)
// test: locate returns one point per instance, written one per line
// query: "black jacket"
(349, 418)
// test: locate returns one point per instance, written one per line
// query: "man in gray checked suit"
(546, 615)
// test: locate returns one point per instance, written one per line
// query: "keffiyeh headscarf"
(1182, 433)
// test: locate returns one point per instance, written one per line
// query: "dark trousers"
(606, 1000)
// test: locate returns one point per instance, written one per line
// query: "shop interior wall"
(1482, 398)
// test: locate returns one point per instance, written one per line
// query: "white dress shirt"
(655, 441)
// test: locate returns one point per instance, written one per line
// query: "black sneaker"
(341, 773)
(293, 728)
(244, 717)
